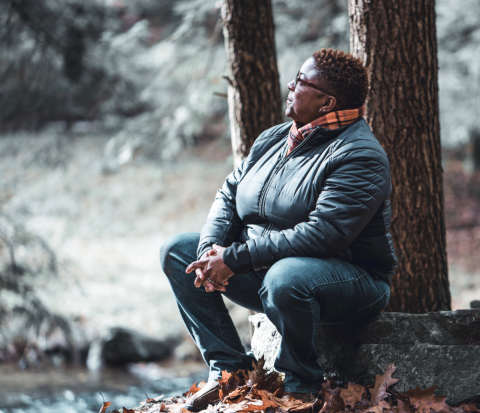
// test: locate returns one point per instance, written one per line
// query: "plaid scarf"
(332, 120)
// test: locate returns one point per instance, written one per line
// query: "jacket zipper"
(278, 166)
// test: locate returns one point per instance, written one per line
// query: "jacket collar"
(321, 134)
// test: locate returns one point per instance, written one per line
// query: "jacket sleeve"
(223, 223)
(356, 186)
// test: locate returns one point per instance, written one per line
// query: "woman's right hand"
(209, 265)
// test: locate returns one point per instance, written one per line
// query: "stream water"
(77, 390)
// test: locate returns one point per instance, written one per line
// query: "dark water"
(76, 390)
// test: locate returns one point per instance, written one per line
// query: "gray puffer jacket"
(328, 198)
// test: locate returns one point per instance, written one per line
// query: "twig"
(230, 82)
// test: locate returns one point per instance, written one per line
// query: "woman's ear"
(329, 105)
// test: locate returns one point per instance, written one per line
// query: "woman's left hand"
(211, 271)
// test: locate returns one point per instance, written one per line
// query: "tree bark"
(397, 41)
(253, 91)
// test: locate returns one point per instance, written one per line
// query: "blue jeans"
(297, 294)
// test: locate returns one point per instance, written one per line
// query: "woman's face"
(304, 103)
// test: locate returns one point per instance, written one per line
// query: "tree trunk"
(397, 41)
(253, 91)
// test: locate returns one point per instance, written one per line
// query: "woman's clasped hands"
(210, 270)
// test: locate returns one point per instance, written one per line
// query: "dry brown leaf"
(104, 407)
(149, 400)
(402, 407)
(382, 383)
(125, 410)
(287, 402)
(353, 394)
(307, 406)
(229, 383)
(471, 407)
(255, 375)
(192, 390)
(265, 396)
(237, 395)
(263, 379)
(379, 407)
(362, 406)
(332, 401)
(174, 408)
(425, 400)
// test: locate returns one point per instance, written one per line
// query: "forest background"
(115, 135)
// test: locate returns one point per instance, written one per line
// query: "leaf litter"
(262, 391)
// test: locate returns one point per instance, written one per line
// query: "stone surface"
(265, 339)
(440, 349)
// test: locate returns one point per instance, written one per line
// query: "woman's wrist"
(237, 258)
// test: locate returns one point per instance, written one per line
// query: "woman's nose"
(291, 85)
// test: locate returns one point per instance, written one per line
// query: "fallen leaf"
(471, 407)
(237, 395)
(425, 400)
(194, 389)
(104, 407)
(288, 402)
(309, 406)
(402, 407)
(125, 410)
(262, 378)
(353, 394)
(266, 397)
(379, 407)
(362, 406)
(253, 406)
(382, 383)
(230, 382)
(155, 399)
(332, 401)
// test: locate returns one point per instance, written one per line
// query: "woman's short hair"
(343, 75)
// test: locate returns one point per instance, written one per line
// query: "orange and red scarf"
(332, 120)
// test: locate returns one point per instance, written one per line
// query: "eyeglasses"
(297, 79)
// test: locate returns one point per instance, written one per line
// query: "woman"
(299, 231)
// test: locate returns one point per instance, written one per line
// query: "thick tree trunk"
(253, 91)
(397, 41)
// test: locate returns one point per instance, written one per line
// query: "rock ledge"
(430, 349)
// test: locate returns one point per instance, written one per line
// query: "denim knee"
(278, 287)
(172, 246)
